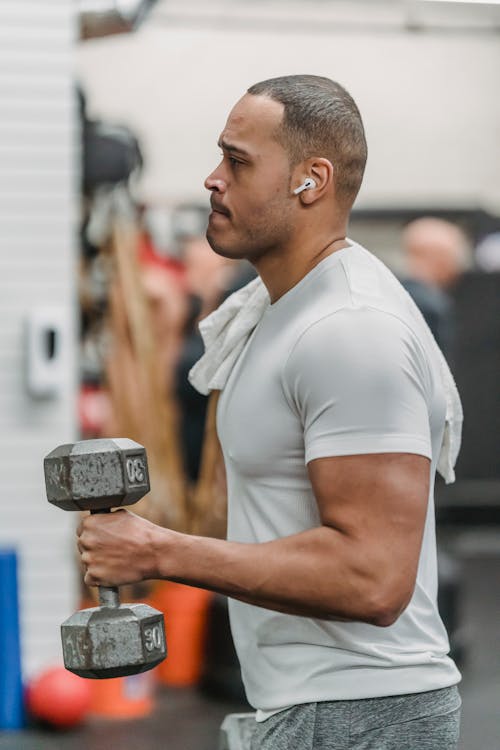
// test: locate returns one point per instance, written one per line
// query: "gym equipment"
(112, 640)
(11, 687)
(59, 698)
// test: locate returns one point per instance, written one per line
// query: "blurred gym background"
(109, 117)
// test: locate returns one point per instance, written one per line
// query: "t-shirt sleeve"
(358, 379)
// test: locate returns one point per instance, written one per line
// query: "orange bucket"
(186, 612)
(128, 697)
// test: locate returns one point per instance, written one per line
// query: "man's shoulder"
(353, 326)
(355, 290)
(352, 300)
(357, 278)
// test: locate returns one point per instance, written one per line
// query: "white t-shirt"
(341, 364)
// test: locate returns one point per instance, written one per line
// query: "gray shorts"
(416, 721)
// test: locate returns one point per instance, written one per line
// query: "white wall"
(429, 100)
(37, 269)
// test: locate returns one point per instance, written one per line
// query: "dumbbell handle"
(108, 595)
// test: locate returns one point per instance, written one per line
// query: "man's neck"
(282, 271)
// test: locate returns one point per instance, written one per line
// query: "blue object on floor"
(11, 686)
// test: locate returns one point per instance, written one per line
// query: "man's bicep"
(381, 489)
(379, 502)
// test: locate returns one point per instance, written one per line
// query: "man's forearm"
(317, 573)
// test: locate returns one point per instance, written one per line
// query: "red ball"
(58, 697)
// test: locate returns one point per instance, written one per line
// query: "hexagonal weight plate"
(103, 642)
(96, 474)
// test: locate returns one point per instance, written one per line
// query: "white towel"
(226, 330)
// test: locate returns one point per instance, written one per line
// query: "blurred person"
(436, 251)
(436, 254)
(165, 289)
(210, 278)
(487, 254)
(336, 408)
(208, 275)
(159, 301)
(166, 296)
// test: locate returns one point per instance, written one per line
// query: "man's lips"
(217, 208)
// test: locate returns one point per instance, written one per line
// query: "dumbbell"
(112, 640)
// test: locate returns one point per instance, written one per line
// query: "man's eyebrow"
(231, 147)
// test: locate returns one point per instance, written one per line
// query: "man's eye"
(233, 162)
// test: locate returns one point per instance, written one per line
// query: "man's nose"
(215, 182)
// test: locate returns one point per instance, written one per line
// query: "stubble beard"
(268, 236)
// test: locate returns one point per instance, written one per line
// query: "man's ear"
(321, 171)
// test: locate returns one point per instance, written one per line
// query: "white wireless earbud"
(308, 184)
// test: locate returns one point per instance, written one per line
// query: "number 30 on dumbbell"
(114, 639)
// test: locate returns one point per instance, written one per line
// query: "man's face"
(250, 189)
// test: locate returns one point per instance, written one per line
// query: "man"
(436, 251)
(436, 255)
(331, 420)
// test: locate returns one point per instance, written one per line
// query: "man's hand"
(117, 548)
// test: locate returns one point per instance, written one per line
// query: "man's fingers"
(89, 580)
(82, 532)
(100, 557)
(85, 558)
(81, 522)
(83, 542)
(88, 576)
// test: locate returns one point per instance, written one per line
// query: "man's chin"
(223, 250)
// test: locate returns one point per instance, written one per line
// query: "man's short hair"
(320, 119)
